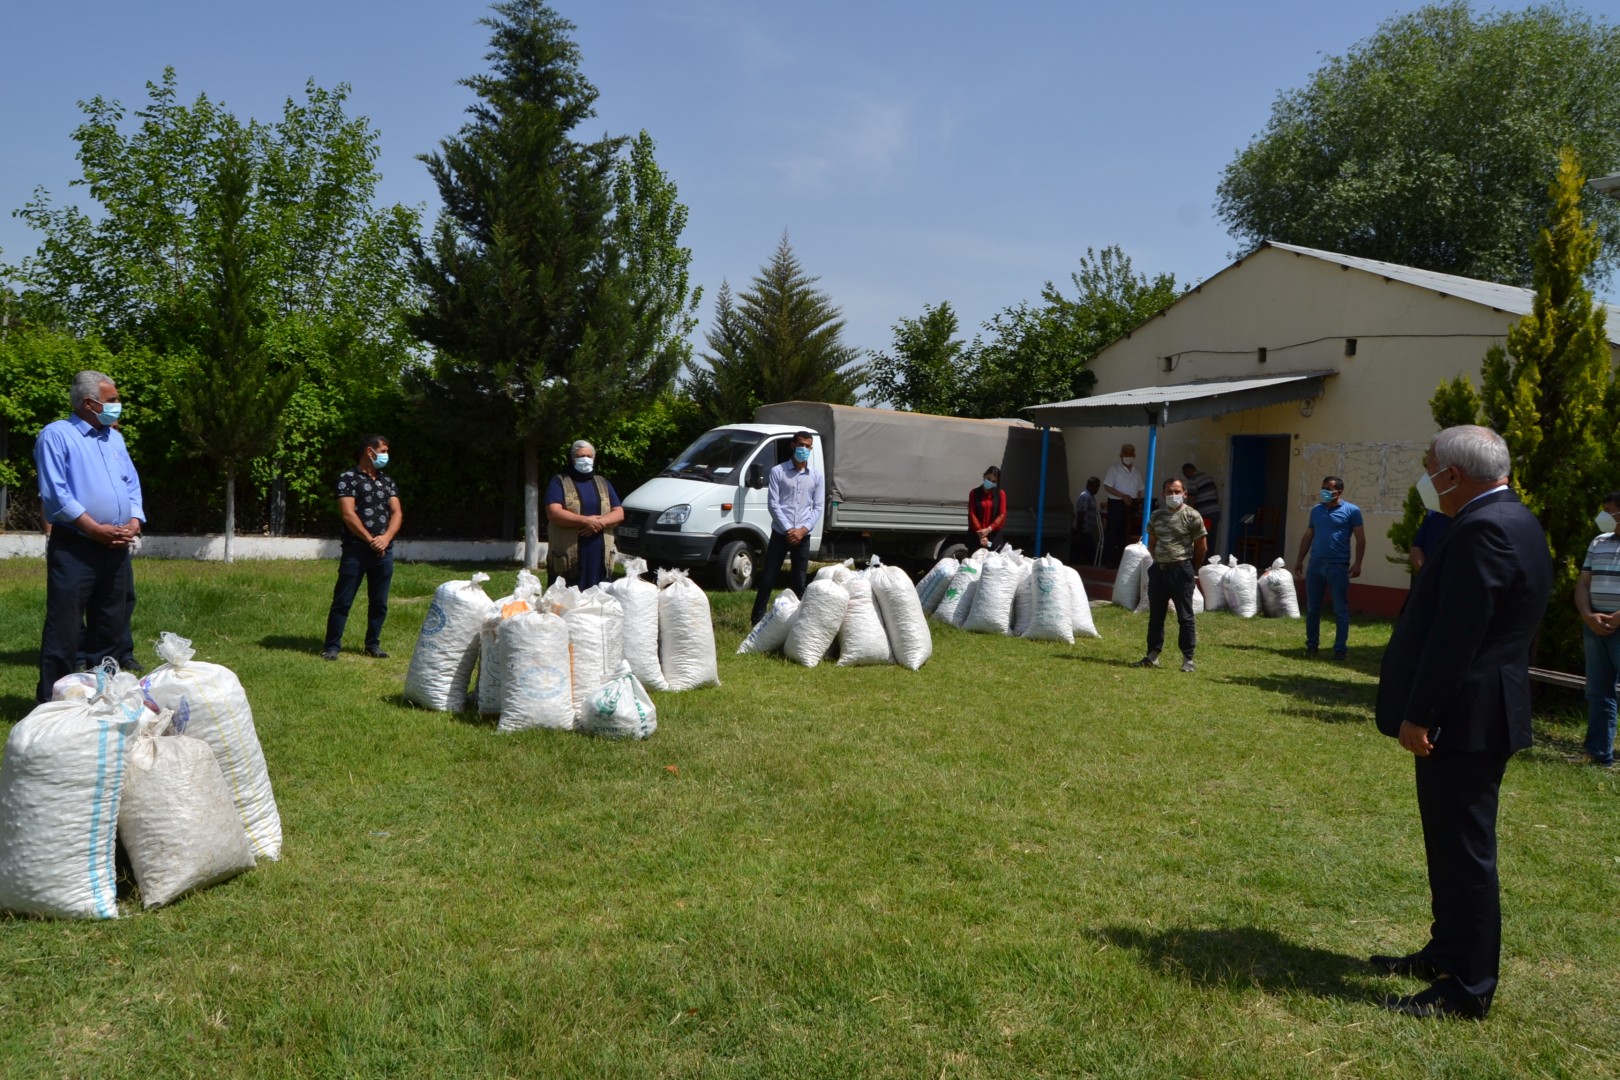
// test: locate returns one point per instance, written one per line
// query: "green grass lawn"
(1024, 860)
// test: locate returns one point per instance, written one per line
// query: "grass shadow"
(1332, 701)
(21, 657)
(1247, 957)
(304, 643)
(15, 706)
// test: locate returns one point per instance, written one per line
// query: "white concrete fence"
(212, 548)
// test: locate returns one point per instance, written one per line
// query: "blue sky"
(914, 152)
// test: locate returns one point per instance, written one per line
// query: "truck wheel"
(738, 563)
(954, 550)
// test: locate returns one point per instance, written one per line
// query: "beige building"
(1290, 365)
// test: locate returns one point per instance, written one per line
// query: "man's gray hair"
(87, 384)
(580, 444)
(1477, 452)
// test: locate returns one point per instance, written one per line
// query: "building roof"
(1509, 298)
(1182, 401)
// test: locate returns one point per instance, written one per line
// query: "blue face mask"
(801, 453)
(381, 460)
(110, 412)
(1326, 496)
(989, 485)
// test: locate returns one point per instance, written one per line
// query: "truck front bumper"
(661, 547)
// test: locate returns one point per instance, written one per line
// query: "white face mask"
(1174, 501)
(1605, 522)
(1127, 460)
(1427, 492)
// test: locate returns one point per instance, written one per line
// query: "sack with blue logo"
(447, 648)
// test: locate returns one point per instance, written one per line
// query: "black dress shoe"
(132, 665)
(1439, 1000)
(329, 654)
(1414, 965)
(378, 653)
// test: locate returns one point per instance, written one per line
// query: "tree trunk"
(531, 504)
(278, 506)
(5, 492)
(230, 516)
(510, 496)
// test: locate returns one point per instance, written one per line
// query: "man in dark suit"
(1455, 690)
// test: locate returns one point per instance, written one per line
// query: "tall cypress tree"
(555, 292)
(782, 341)
(230, 401)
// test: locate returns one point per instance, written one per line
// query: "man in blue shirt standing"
(794, 494)
(90, 494)
(1327, 542)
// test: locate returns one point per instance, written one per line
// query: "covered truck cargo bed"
(900, 470)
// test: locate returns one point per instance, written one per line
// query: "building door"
(1257, 522)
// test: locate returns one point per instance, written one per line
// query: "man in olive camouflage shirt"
(1178, 541)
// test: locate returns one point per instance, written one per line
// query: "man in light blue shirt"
(1334, 523)
(794, 493)
(91, 496)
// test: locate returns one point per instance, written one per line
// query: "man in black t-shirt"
(369, 503)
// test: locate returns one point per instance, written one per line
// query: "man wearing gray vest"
(581, 511)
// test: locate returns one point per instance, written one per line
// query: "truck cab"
(708, 506)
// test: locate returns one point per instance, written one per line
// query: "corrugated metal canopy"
(1184, 401)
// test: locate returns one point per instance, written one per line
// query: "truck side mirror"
(756, 475)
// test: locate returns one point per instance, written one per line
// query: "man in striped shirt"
(1204, 497)
(1597, 598)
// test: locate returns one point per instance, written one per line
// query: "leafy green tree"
(555, 289)
(1428, 143)
(329, 266)
(924, 372)
(782, 342)
(1551, 394)
(1453, 403)
(1041, 354)
(230, 403)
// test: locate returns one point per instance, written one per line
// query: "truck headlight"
(675, 515)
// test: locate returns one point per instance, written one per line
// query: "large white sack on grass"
(176, 820)
(820, 617)
(1210, 576)
(596, 635)
(931, 589)
(620, 708)
(537, 688)
(839, 572)
(1051, 602)
(897, 602)
(1277, 595)
(639, 598)
(1128, 578)
(1143, 580)
(967, 575)
(209, 704)
(861, 638)
(991, 612)
(491, 655)
(1023, 611)
(447, 647)
(60, 786)
(1085, 624)
(685, 633)
(1242, 590)
(771, 631)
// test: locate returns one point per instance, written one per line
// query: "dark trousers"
(997, 541)
(1172, 583)
(359, 561)
(91, 651)
(1085, 549)
(1457, 798)
(777, 550)
(1116, 531)
(84, 582)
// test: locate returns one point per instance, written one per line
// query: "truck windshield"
(716, 456)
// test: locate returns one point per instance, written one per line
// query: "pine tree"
(555, 290)
(230, 402)
(782, 342)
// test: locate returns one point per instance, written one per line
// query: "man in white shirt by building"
(1124, 487)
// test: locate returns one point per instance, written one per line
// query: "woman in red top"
(987, 511)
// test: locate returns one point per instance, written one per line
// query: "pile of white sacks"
(561, 658)
(168, 766)
(870, 616)
(1006, 593)
(1229, 586)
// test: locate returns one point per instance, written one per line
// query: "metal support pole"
(1040, 495)
(1147, 479)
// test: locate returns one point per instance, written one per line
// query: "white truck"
(896, 485)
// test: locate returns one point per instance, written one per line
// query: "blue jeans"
(359, 562)
(1318, 579)
(1602, 668)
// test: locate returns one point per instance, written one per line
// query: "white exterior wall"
(1372, 423)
